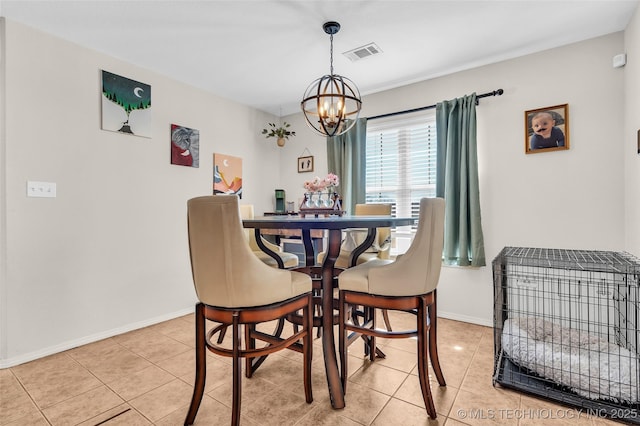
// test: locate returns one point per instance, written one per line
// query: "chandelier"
(331, 104)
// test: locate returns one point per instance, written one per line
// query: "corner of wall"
(3, 182)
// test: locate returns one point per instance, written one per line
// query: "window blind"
(401, 161)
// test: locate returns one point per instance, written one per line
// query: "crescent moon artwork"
(126, 105)
(227, 175)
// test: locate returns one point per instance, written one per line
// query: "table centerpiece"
(321, 196)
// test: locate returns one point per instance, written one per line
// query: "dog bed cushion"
(589, 365)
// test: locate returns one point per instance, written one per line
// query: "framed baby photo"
(305, 164)
(546, 129)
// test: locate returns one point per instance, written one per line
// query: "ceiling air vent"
(363, 52)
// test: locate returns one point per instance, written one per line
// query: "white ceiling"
(265, 53)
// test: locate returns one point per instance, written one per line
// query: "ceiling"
(265, 53)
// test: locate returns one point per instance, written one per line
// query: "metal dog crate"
(566, 328)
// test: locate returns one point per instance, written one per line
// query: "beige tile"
(398, 412)
(122, 415)
(55, 379)
(155, 346)
(149, 373)
(82, 407)
(485, 408)
(452, 422)
(280, 371)
(211, 412)
(9, 386)
(92, 350)
(140, 382)
(111, 363)
(177, 329)
(183, 366)
(163, 400)
(34, 418)
(399, 359)
(324, 415)
(478, 379)
(288, 374)
(453, 370)
(380, 378)
(16, 407)
(363, 404)
(280, 407)
(251, 389)
(443, 396)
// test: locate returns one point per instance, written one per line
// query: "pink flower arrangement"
(332, 180)
(318, 184)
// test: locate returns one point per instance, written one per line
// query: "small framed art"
(305, 164)
(546, 129)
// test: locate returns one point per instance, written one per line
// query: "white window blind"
(401, 161)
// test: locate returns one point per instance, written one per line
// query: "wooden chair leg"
(342, 344)
(237, 374)
(307, 353)
(250, 343)
(433, 341)
(385, 317)
(223, 333)
(201, 366)
(423, 373)
(370, 314)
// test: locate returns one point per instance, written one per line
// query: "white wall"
(110, 252)
(631, 129)
(565, 199)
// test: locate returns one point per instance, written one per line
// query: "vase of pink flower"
(321, 192)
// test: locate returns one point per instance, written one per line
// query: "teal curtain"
(346, 157)
(457, 181)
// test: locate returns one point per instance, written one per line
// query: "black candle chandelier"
(331, 104)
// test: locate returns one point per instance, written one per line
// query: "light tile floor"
(145, 377)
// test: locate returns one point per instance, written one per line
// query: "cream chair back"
(418, 270)
(247, 212)
(225, 271)
(383, 234)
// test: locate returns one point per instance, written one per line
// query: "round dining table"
(333, 225)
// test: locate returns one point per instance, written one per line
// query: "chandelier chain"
(331, 56)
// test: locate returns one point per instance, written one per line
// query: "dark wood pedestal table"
(334, 226)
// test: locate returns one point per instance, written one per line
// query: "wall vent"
(363, 52)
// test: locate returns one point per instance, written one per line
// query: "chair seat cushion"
(357, 278)
(290, 260)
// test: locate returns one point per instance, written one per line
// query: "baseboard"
(464, 318)
(12, 362)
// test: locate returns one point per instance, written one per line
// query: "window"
(401, 165)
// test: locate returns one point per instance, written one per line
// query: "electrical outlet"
(41, 189)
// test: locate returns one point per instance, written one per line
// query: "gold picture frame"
(305, 164)
(546, 129)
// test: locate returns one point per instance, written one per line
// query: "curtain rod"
(391, 114)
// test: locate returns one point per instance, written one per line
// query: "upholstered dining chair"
(235, 289)
(380, 249)
(407, 284)
(289, 260)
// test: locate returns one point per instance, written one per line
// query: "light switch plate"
(41, 189)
